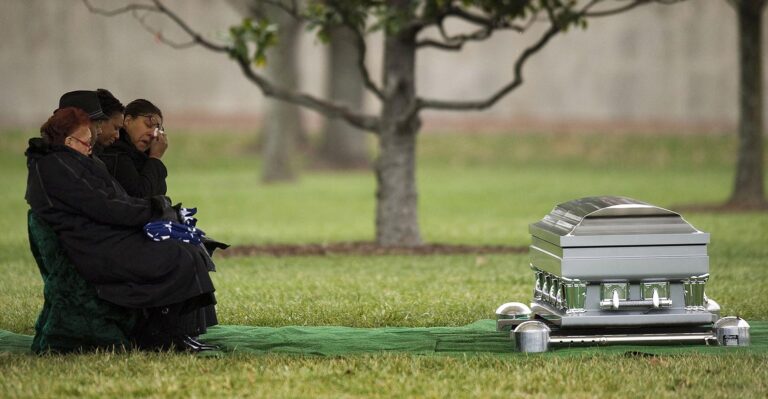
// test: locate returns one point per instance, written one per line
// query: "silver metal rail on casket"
(605, 262)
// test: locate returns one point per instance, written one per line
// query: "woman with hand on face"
(134, 160)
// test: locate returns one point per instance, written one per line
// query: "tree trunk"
(282, 129)
(343, 146)
(396, 208)
(748, 187)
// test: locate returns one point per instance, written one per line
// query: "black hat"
(86, 100)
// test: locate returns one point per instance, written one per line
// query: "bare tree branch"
(362, 49)
(618, 10)
(118, 11)
(631, 4)
(456, 42)
(295, 12)
(516, 81)
(325, 107)
(481, 19)
(440, 45)
(517, 78)
(196, 37)
(161, 9)
(159, 34)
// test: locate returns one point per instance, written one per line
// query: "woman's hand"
(158, 145)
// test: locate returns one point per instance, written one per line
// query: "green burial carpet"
(479, 337)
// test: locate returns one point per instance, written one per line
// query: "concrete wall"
(668, 66)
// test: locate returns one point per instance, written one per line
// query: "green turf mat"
(478, 337)
(15, 343)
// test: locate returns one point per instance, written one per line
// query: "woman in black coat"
(100, 228)
(134, 160)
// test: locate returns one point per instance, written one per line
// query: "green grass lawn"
(474, 189)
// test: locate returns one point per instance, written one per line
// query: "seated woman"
(100, 229)
(134, 160)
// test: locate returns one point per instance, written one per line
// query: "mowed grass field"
(474, 189)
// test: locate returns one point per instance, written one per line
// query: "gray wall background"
(655, 68)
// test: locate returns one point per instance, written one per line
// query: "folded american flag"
(163, 230)
(185, 214)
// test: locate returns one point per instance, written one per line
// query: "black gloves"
(162, 209)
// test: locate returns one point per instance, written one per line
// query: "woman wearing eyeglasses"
(134, 159)
(99, 227)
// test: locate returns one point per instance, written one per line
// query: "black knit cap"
(85, 100)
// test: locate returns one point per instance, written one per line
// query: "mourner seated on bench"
(132, 154)
(98, 224)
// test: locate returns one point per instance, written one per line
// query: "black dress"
(139, 174)
(143, 176)
(100, 228)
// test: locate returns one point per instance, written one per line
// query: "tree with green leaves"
(407, 26)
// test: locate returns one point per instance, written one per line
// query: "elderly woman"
(100, 228)
(134, 160)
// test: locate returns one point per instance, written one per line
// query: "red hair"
(62, 124)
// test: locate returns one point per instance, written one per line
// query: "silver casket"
(618, 262)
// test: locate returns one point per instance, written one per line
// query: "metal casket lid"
(614, 221)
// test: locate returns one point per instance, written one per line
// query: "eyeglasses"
(85, 143)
